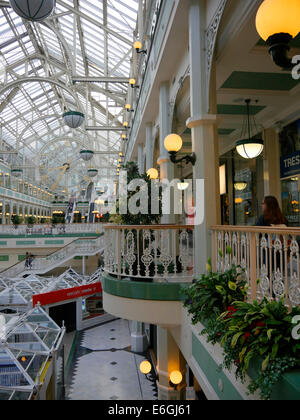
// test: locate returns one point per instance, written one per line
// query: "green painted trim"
(3, 243)
(260, 81)
(239, 110)
(213, 373)
(287, 389)
(128, 289)
(68, 364)
(4, 258)
(21, 243)
(21, 258)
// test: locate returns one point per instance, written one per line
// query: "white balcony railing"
(74, 228)
(161, 252)
(269, 256)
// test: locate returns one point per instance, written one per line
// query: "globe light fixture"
(138, 48)
(173, 144)
(183, 186)
(249, 147)
(176, 378)
(125, 124)
(128, 108)
(86, 155)
(124, 137)
(34, 11)
(73, 119)
(153, 173)
(278, 22)
(145, 367)
(132, 83)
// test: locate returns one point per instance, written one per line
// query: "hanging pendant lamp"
(33, 10)
(86, 155)
(73, 119)
(250, 147)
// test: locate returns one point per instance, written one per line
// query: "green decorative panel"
(21, 258)
(287, 389)
(213, 372)
(238, 110)
(4, 258)
(126, 288)
(260, 81)
(3, 243)
(24, 243)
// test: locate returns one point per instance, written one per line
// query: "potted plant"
(16, 220)
(30, 221)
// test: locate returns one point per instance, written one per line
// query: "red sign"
(67, 294)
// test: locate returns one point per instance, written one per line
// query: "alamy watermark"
(140, 197)
(296, 68)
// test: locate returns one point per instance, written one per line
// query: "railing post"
(119, 262)
(253, 266)
(214, 251)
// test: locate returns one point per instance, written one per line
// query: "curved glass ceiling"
(82, 38)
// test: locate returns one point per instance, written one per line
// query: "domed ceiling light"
(278, 22)
(92, 173)
(73, 119)
(17, 173)
(240, 186)
(33, 10)
(86, 155)
(250, 147)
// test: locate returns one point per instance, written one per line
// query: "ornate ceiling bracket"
(211, 37)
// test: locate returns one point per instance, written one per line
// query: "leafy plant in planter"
(16, 220)
(214, 293)
(137, 219)
(260, 331)
(30, 221)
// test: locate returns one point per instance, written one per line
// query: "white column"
(165, 124)
(11, 209)
(139, 342)
(168, 360)
(204, 134)
(149, 146)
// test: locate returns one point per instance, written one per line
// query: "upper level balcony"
(147, 266)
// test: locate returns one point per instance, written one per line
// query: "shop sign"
(290, 165)
(58, 296)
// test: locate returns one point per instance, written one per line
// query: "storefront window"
(92, 307)
(290, 171)
(245, 190)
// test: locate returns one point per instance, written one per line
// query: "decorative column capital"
(199, 120)
(163, 159)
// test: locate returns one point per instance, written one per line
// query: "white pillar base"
(169, 394)
(139, 343)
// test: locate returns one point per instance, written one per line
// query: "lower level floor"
(102, 366)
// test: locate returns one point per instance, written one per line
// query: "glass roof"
(82, 38)
(26, 343)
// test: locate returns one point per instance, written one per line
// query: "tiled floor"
(104, 368)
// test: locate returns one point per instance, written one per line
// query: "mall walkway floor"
(104, 368)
